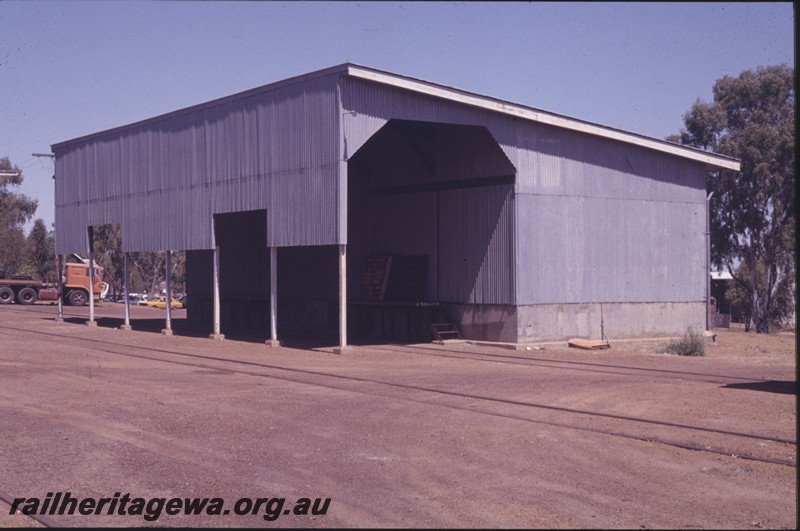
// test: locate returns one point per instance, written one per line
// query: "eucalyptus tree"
(107, 247)
(41, 252)
(16, 209)
(752, 212)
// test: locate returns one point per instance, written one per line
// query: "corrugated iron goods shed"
(514, 223)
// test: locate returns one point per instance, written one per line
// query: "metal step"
(445, 332)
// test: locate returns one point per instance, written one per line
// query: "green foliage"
(40, 252)
(107, 246)
(149, 267)
(146, 269)
(178, 278)
(691, 344)
(149, 270)
(15, 210)
(752, 213)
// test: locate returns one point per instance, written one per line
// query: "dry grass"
(691, 344)
(779, 343)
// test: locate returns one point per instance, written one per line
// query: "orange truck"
(26, 290)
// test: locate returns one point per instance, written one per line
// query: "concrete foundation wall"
(554, 322)
(484, 322)
(560, 322)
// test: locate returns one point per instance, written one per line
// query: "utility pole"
(59, 257)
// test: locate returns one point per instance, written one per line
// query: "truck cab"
(26, 290)
(76, 281)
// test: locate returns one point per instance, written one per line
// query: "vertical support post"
(216, 334)
(342, 348)
(60, 284)
(708, 261)
(168, 275)
(273, 298)
(91, 322)
(125, 291)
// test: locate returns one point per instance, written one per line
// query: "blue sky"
(72, 68)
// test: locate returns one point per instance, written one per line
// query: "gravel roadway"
(422, 435)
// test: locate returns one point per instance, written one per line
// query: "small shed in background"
(720, 307)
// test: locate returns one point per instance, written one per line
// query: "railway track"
(45, 521)
(651, 430)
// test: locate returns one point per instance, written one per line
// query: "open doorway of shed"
(430, 196)
(243, 276)
(307, 279)
(106, 244)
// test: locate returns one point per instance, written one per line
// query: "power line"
(46, 155)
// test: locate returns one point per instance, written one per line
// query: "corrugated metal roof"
(537, 115)
(712, 160)
(209, 104)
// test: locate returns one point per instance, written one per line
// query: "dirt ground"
(423, 435)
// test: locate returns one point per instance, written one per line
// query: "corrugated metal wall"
(475, 245)
(559, 162)
(592, 219)
(466, 233)
(368, 106)
(583, 249)
(163, 179)
(595, 219)
(601, 221)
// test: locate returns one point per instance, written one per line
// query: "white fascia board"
(711, 160)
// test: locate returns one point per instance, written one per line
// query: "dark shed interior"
(419, 225)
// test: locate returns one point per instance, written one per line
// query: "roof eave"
(212, 103)
(711, 160)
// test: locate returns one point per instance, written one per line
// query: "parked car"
(161, 302)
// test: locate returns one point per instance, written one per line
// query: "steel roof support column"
(167, 331)
(708, 261)
(343, 347)
(60, 280)
(125, 290)
(91, 321)
(273, 298)
(216, 334)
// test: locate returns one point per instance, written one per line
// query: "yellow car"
(161, 302)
